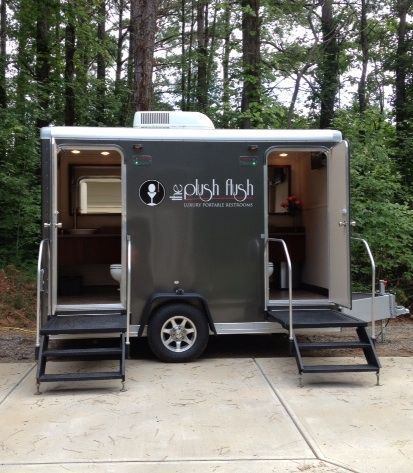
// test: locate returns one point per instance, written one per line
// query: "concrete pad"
(211, 410)
(350, 419)
(253, 466)
(10, 375)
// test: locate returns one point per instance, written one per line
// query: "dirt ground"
(18, 345)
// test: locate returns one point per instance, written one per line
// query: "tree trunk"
(187, 42)
(3, 53)
(226, 106)
(202, 55)
(183, 61)
(143, 26)
(211, 48)
(403, 93)
(101, 64)
(189, 91)
(329, 67)
(364, 45)
(70, 38)
(402, 61)
(119, 44)
(251, 60)
(291, 108)
(42, 70)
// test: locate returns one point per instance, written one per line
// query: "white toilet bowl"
(116, 272)
(270, 269)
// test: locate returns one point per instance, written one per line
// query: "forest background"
(344, 64)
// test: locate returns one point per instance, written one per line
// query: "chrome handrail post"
(290, 284)
(373, 286)
(38, 292)
(128, 289)
(49, 280)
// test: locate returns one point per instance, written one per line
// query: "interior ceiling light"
(283, 155)
(75, 151)
(105, 153)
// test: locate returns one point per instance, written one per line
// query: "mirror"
(279, 188)
(100, 195)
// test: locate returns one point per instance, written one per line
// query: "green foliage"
(383, 218)
(19, 192)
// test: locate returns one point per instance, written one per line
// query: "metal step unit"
(112, 326)
(327, 318)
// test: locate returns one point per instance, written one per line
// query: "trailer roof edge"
(152, 134)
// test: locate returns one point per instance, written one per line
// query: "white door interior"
(339, 225)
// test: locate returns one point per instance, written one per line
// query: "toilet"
(270, 269)
(116, 272)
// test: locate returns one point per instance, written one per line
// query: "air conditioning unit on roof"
(188, 120)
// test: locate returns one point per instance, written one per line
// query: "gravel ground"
(17, 345)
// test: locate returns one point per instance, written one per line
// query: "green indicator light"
(143, 161)
(248, 161)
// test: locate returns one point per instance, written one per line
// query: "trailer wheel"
(178, 333)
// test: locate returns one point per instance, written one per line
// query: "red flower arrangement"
(292, 204)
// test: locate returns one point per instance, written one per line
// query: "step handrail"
(290, 284)
(40, 273)
(128, 288)
(373, 285)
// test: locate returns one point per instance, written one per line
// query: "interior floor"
(300, 294)
(93, 295)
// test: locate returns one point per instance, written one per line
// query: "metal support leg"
(383, 328)
(378, 378)
(300, 380)
(38, 392)
(123, 389)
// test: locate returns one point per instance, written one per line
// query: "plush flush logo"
(212, 194)
(152, 193)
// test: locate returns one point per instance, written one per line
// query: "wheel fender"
(162, 298)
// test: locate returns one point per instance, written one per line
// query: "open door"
(339, 225)
(54, 225)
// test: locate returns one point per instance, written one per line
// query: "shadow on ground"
(229, 346)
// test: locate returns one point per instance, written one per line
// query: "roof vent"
(192, 120)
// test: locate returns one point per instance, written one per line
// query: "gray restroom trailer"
(178, 231)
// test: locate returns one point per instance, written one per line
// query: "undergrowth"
(17, 297)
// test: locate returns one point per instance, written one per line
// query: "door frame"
(55, 149)
(290, 148)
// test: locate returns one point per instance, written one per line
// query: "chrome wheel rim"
(178, 333)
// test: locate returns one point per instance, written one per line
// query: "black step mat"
(315, 318)
(76, 324)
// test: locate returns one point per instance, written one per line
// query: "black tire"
(178, 333)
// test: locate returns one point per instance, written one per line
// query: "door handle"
(344, 223)
(57, 225)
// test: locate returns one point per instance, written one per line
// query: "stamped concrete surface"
(348, 418)
(10, 375)
(225, 415)
(210, 410)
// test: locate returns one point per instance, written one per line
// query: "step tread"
(332, 345)
(315, 318)
(85, 376)
(75, 324)
(339, 368)
(73, 352)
